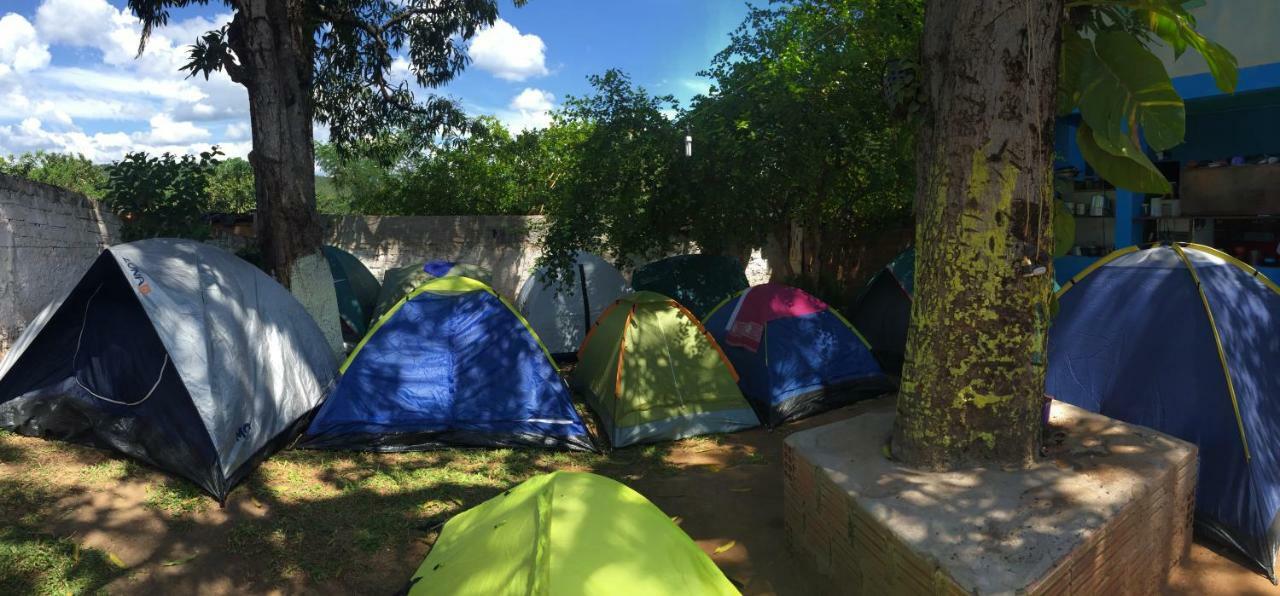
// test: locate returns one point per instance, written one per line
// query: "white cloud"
(124, 84)
(533, 100)
(139, 103)
(166, 131)
(530, 109)
(75, 22)
(503, 51)
(237, 131)
(164, 135)
(20, 49)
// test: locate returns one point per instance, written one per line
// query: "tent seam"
(1217, 340)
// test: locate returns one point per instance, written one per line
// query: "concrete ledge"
(1108, 511)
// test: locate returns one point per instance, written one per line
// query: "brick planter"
(1107, 512)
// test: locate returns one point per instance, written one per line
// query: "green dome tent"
(357, 291)
(652, 373)
(567, 534)
(399, 282)
(699, 282)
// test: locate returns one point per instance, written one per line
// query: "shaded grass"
(176, 498)
(32, 561)
(41, 564)
(349, 516)
(340, 521)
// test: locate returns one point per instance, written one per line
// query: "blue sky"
(69, 80)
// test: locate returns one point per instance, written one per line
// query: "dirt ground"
(279, 533)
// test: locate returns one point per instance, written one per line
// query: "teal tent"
(357, 291)
(698, 282)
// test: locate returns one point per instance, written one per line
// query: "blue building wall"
(1218, 126)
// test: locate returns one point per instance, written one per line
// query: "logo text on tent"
(243, 431)
(144, 288)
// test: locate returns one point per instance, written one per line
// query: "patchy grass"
(36, 564)
(345, 521)
(33, 561)
(176, 498)
(108, 472)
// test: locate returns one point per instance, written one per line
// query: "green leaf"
(1128, 85)
(1222, 63)
(1075, 51)
(1064, 229)
(1167, 29)
(1132, 171)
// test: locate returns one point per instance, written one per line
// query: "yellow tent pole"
(712, 312)
(1252, 271)
(1094, 267)
(1217, 340)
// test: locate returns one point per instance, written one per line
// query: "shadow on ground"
(337, 522)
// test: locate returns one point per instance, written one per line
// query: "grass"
(108, 472)
(345, 521)
(33, 561)
(176, 498)
(35, 564)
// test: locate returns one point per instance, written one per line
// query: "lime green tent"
(652, 373)
(399, 282)
(567, 534)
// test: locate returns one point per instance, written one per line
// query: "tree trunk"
(273, 41)
(973, 380)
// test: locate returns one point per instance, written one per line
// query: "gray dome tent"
(562, 312)
(173, 352)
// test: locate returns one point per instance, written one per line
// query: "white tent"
(561, 313)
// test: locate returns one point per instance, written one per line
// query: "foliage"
(355, 46)
(796, 129)
(162, 196)
(359, 184)
(616, 192)
(1123, 93)
(73, 172)
(231, 187)
(484, 172)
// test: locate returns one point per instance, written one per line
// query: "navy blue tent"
(1183, 339)
(882, 311)
(794, 355)
(450, 364)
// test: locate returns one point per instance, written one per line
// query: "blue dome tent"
(450, 364)
(795, 356)
(1182, 338)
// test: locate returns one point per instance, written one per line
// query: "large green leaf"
(1173, 22)
(1126, 84)
(1075, 51)
(1132, 170)
(1064, 229)
(1222, 63)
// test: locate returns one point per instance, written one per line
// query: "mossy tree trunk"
(973, 380)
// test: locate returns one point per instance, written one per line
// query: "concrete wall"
(48, 238)
(505, 245)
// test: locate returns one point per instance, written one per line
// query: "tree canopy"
(336, 62)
